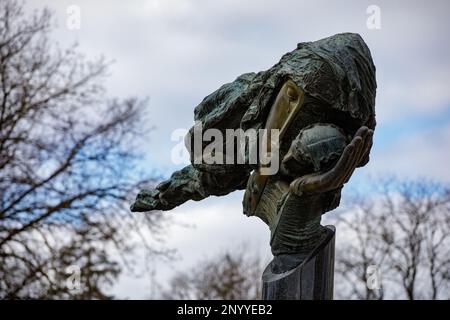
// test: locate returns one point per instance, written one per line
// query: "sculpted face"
(315, 148)
(320, 159)
(284, 109)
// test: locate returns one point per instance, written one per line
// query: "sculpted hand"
(148, 200)
(351, 157)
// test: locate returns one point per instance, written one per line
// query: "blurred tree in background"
(230, 275)
(403, 233)
(67, 166)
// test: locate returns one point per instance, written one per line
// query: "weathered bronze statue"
(321, 98)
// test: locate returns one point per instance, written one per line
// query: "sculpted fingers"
(352, 155)
(367, 144)
(163, 186)
(330, 179)
(335, 177)
(363, 150)
(353, 162)
(363, 134)
(304, 184)
(146, 200)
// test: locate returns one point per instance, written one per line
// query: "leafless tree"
(402, 230)
(67, 165)
(227, 276)
(392, 243)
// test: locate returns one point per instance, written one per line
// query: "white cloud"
(177, 52)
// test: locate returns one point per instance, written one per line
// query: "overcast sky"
(178, 51)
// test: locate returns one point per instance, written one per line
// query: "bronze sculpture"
(321, 99)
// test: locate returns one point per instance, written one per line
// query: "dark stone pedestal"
(312, 279)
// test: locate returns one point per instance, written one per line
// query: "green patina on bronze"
(322, 96)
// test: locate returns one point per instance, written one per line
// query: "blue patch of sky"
(392, 131)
